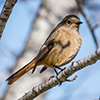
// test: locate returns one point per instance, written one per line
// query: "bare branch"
(71, 80)
(89, 25)
(6, 11)
(62, 76)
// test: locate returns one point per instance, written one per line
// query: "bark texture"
(6, 11)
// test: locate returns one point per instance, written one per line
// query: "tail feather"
(14, 77)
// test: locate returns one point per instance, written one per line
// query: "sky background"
(15, 35)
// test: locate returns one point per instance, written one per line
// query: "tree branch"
(6, 11)
(89, 25)
(62, 76)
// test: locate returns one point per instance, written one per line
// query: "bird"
(60, 48)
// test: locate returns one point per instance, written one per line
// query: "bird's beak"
(78, 23)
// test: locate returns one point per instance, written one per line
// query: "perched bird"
(60, 48)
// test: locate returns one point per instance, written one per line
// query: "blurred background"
(27, 28)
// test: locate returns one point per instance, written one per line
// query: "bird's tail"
(14, 77)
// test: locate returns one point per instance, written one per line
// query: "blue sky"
(15, 36)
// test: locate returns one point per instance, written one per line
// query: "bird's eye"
(68, 21)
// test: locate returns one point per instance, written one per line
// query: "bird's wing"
(46, 47)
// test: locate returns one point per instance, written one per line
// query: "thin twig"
(62, 76)
(97, 24)
(71, 80)
(89, 25)
(6, 11)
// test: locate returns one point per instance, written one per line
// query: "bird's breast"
(64, 50)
